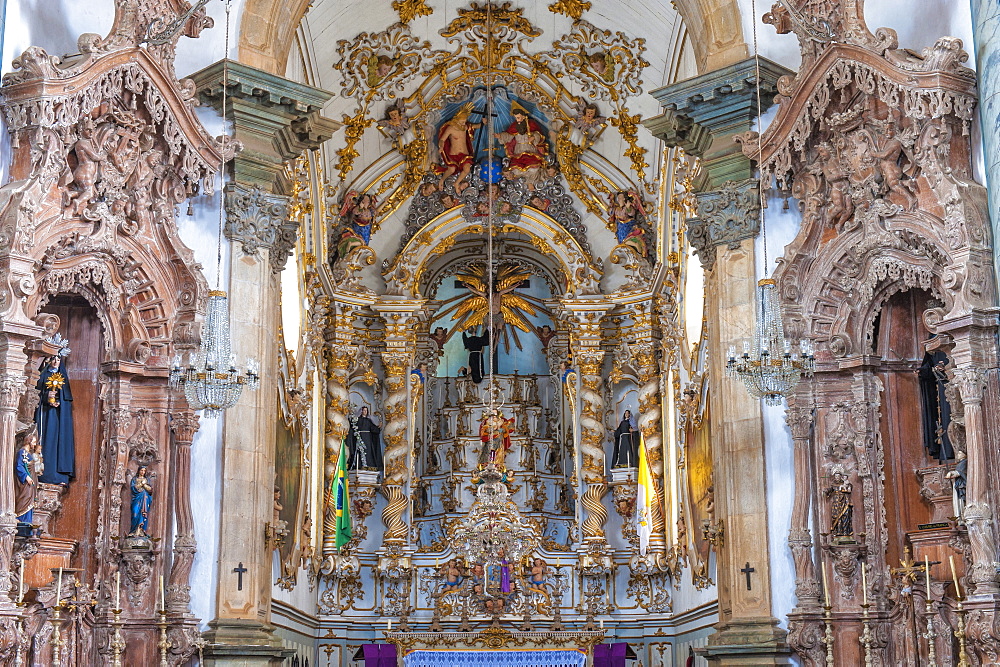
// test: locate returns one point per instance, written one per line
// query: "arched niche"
(414, 267)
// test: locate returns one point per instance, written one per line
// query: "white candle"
(602, 624)
(927, 575)
(20, 583)
(163, 604)
(958, 591)
(59, 588)
(118, 589)
(388, 625)
(826, 586)
(864, 582)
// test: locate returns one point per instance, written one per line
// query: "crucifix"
(240, 570)
(747, 570)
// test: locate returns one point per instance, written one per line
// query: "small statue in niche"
(626, 450)
(26, 474)
(364, 439)
(142, 502)
(494, 432)
(841, 508)
(624, 211)
(54, 417)
(958, 482)
(935, 410)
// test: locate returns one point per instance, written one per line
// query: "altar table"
(460, 658)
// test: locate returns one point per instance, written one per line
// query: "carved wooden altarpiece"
(106, 147)
(874, 143)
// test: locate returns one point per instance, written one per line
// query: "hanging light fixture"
(769, 367)
(211, 381)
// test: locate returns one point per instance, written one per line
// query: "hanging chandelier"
(211, 380)
(769, 366)
(494, 531)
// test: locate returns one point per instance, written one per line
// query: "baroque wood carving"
(874, 143)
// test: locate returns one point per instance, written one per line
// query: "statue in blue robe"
(54, 418)
(24, 474)
(142, 501)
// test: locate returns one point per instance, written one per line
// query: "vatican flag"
(644, 501)
(340, 498)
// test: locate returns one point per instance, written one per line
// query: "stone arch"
(407, 274)
(267, 32)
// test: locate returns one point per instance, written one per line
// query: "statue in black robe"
(475, 344)
(364, 440)
(935, 411)
(54, 418)
(626, 450)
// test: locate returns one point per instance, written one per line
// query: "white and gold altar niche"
(514, 314)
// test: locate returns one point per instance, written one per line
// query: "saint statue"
(357, 214)
(494, 432)
(364, 440)
(935, 410)
(958, 484)
(626, 450)
(841, 507)
(142, 501)
(455, 148)
(498, 575)
(54, 418)
(525, 146)
(25, 474)
(475, 344)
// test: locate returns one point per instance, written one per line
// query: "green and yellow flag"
(341, 499)
(645, 500)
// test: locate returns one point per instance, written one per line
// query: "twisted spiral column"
(396, 365)
(335, 429)
(648, 420)
(592, 435)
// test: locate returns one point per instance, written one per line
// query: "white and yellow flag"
(644, 501)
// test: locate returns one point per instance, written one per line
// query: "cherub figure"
(379, 68)
(602, 64)
(396, 125)
(587, 125)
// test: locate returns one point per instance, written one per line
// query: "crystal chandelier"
(494, 531)
(211, 380)
(769, 367)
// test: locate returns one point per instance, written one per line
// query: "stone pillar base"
(243, 643)
(748, 643)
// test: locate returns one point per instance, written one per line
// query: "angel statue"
(587, 125)
(624, 212)
(357, 214)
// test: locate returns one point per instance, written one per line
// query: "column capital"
(258, 220)
(725, 216)
(275, 119)
(701, 114)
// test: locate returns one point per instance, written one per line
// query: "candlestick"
(963, 661)
(164, 644)
(59, 588)
(56, 641)
(954, 576)
(866, 635)
(828, 630)
(930, 635)
(864, 583)
(117, 641)
(20, 582)
(826, 586)
(118, 589)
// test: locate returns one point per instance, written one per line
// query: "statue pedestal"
(624, 476)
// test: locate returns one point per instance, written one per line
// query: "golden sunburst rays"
(509, 311)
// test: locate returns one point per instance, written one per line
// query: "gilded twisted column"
(396, 365)
(592, 436)
(338, 361)
(648, 420)
(978, 513)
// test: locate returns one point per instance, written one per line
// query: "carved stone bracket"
(260, 221)
(725, 217)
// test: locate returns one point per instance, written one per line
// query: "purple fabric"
(380, 655)
(504, 577)
(610, 655)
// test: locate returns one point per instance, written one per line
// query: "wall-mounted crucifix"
(240, 570)
(747, 570)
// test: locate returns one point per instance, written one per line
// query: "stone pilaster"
(986, 31)
(275, 120)
(703, 114)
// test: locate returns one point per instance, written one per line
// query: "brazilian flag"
(340, 499)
